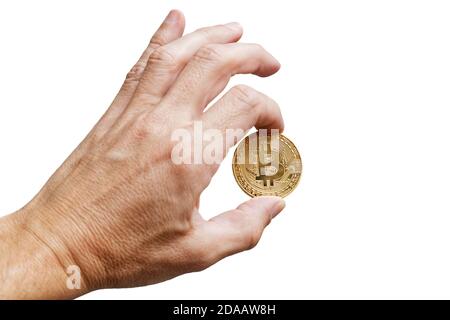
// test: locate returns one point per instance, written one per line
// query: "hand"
(119, 208)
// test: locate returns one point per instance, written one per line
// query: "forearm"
(28, 267)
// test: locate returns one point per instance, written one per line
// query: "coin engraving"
(267, 165)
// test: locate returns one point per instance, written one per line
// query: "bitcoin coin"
(267, 164)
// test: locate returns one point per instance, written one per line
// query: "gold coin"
(267, 164)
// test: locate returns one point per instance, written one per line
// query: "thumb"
(240, 229)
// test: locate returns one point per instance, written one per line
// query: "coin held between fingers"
(267, 164)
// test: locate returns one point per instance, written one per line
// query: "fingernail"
(234, 26)
(172, 17)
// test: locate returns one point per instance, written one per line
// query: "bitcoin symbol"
(275, 170)
(269, 170)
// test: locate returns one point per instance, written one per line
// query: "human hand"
(119, 208)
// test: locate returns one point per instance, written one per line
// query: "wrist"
(30, 267)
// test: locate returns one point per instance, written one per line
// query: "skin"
(118, 207)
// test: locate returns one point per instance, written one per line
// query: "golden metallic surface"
(267, 165)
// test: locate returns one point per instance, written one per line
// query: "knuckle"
(140, 128)
(162, 56)
(145, 126)
(157, 40)
(135, 73)
(246, 95)
(209, 53)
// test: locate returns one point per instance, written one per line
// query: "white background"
(364, 89)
